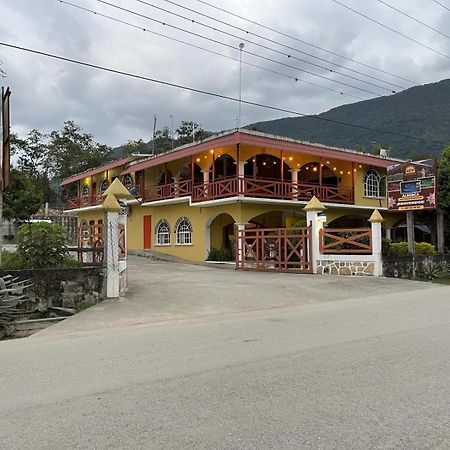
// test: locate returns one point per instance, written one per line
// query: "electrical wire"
(274, 42)
(211, 94)
(265, 47)
(234, 48)
(440, 4)
(281, 33)
(413, 18)
(180, 41)
(391, 29)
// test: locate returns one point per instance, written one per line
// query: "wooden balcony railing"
(231, 187)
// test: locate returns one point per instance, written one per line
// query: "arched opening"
(186, 173)
(263, 166)
(350, 221)
(317, 173)
(220, 237)
(224, 167)
(270, 219)
(165, 177)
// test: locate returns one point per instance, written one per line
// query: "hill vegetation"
(422, 111)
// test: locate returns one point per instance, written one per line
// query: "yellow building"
(189, 200)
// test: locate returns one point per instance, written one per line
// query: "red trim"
(95, 170)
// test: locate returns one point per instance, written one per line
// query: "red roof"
(95, 170)
(263, 140)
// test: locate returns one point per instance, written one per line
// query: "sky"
(116, 109)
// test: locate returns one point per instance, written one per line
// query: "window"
(103, 186)
(85, 194)
(372, 184)
(127, 180)
(162, 233)
(183, 231)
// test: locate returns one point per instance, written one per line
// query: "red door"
(147, 232)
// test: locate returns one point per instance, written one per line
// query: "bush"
(220, 254)
(42, 245)
(401, 248)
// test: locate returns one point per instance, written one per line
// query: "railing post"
(294, 181)
(376, 219)
(241, 178)
(205, 182)
(176, 182)
(313, 208)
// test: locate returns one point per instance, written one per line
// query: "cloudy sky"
(117, 109)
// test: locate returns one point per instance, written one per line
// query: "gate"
(274, 249)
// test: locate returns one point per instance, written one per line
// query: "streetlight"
(241, 47)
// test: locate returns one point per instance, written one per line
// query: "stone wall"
(63, 287)
(409, 266)
(338, 267)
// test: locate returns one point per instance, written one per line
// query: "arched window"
(85, 194)
(127, 180)
(104, 185)
(372, 184)
(162, 232)
(183, 231)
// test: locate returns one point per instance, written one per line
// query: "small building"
(188, 200)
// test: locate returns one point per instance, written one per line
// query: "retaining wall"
(409, 266)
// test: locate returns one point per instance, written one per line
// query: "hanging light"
(198, 159)
(315, 169)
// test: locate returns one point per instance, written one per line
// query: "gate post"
(376, 219)
(240, 227)
(313, 208)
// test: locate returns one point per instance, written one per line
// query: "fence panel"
(346, 241)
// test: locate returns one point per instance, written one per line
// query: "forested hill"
(422, 111)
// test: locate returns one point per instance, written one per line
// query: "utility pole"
(154, 134)
(241, 47)
(171, 124)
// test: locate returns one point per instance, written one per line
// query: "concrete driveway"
(166, 291)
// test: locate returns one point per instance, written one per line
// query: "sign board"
(411, 186)
(5, 147)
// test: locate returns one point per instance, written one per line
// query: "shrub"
(42, 245)
(401, 248)
(424, 248)
(220, 254)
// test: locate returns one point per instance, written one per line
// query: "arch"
(374, 186)
(218, 231)
(224, 166)
(183, 231)
(350, 221)
(310, 173)
(266, 166)
(186, 173)
(127, 180)
(85, 194)
(165, 177)
(104, 185)
(162, 232)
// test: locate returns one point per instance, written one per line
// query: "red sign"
(412, 186)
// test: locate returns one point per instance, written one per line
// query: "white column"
(376, 248)
(111, 253)
(241, 177)
(389, 233)
(239, 245)
(294, 176)
(177, 186)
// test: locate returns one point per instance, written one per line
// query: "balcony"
(84, 201)
(248, 187)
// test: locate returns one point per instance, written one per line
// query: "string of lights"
(209, 93)
(281, 44)
(180, 41)
(309, 44)
(391, 29)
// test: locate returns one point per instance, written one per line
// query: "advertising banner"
(411, 186)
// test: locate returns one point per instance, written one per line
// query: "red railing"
(231, 187)
(345, 240)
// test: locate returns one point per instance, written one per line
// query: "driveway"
(166, 291)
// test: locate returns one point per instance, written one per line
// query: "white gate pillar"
(240, 245)
(376, 219)
(313, 208)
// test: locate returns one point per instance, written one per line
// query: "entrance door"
(147, 232)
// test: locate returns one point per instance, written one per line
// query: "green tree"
(190, 131)
(163, 140)
(32, 153)
(137, 146)
(71, 151)
(444, 180)
(22, 198)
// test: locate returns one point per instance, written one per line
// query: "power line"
(281, 33)
(212, 94)
(272, 41)
(413, 18)
(234, 48)
(440, 4)
(391, 29)
(265, 47)
(138, 27)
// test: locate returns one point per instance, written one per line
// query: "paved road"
(353, 373)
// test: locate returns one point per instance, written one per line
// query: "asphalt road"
(359, 373)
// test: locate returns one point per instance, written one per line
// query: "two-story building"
(189, 200)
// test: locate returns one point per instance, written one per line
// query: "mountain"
(421, 111)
